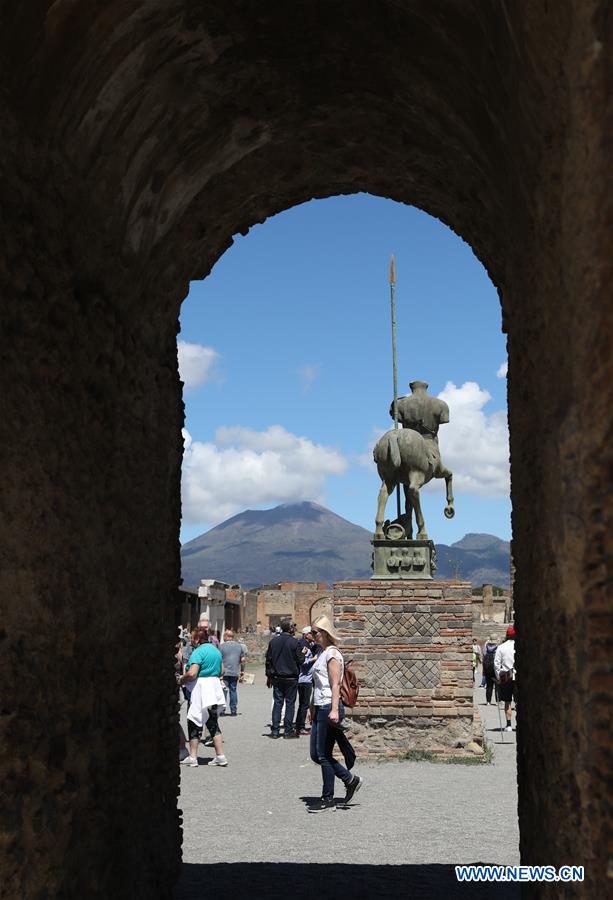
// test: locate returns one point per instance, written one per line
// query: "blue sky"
(285, 350)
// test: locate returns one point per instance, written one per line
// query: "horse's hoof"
(449, 512)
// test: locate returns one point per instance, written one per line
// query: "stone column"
(411, 642)
(488, 602)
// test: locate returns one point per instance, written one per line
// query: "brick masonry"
(411, 644)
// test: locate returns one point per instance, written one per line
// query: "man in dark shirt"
(283, 660)
(311, 651)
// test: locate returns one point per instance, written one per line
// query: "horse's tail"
(394, 450)
(387, 450)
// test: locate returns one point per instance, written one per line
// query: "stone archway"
(322, 607)
(138, 138)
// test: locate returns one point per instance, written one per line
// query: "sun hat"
(510, 632)
(323, 623)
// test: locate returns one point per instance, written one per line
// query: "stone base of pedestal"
(403, 560)
(411, 642)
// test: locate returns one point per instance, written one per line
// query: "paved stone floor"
(248, 829)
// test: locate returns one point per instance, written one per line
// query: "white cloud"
(475, 444)
(196, 363)
(244, 468)
(502, 370)
(308, 374)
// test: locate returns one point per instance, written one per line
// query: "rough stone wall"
(560, 392)
(91, 410)
(494, 612)
(256, 644)
(484, 630)
(293, 599)
(137, 139)
(411, 644)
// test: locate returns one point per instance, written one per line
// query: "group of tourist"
(208, 672)
(308, 669)
(311, 668)
(289, 664)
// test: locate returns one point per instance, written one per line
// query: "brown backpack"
(350, 686)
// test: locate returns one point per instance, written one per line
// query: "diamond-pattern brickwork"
(411, 645)
(396, 674)
(400, 625)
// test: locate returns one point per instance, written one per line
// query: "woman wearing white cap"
(328, 713)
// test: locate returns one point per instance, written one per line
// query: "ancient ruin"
(410, 642)
(138, 138)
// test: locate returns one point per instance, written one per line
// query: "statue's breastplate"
(418, 414)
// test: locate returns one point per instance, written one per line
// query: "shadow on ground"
(303, 881)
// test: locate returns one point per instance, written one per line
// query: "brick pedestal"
(411, 642)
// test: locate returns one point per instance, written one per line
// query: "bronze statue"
(410, 456)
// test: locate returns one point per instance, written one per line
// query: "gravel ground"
(404, 829)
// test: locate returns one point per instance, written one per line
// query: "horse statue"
(410, 456)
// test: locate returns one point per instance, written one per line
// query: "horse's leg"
(416, 481)
(448, 476)
(408, 508)
(383, 497)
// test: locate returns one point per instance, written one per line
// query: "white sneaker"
(508, 728)
(189, 761)
(183, 754)
(219, 761)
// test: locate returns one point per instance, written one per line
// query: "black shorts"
(507, 691)
(194, 732)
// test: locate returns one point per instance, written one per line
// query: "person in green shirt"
(209, 660)
(203, 672)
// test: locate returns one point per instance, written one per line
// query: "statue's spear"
(394, 367)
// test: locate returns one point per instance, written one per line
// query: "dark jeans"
(490, 686)
(284, 690)
(231, 681)
(322, 744)
(304, 698)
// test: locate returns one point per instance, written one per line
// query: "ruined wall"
(91, 412)
(137, 139)
(294, 600)
(410, 642)
(257, 645)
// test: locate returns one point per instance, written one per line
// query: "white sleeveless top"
(322, 691)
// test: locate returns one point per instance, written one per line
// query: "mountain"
(292, 542)
(306, 542)
(480, 558)
(480, 542)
